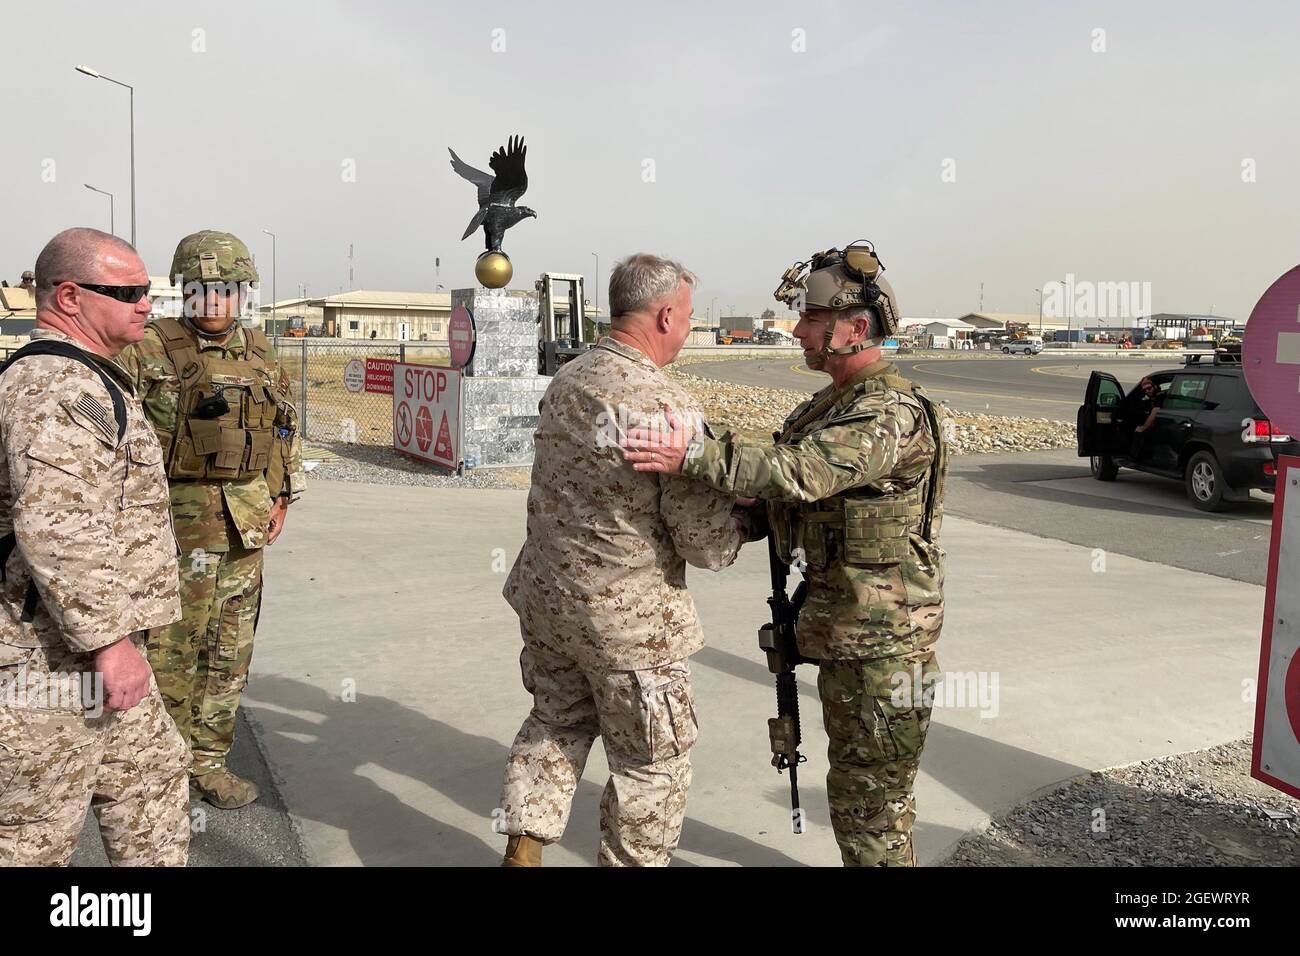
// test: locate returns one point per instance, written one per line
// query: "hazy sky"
(1122, 165)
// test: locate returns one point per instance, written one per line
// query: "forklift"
(561, 326)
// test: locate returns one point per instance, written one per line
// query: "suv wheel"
(1006, 350)
(1205, 483)
(1029, 351)
(1103, 467)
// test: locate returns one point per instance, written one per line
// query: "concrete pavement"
(386, 685)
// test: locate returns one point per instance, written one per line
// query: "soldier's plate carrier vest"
(853, 527)
(236, 445)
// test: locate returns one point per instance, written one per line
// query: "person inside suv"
(1143, 404)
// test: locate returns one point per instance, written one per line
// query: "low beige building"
(404, 316)
(990, 321)
(372, 313)
(298, 313)
(366, 314)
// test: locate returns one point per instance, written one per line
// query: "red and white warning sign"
(426, 413)
(379, 376)
(1276, 758)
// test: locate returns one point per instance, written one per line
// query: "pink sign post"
(1270, 352)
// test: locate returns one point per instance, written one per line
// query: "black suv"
(1208, 432)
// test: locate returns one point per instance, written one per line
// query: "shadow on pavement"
(962, 761)
(259, 834)
(1022, 480)
(462, 767)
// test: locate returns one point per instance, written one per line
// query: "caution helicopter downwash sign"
(426, 413)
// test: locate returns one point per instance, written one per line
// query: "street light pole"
(597, 290)
(1069, 326)
(274, 322)
(111, 227)
(1040, 312)
(130, 89)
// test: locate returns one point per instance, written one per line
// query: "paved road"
(1040, 386)
(1053, 495)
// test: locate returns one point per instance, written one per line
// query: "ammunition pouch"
(877, 530)
(854, 531)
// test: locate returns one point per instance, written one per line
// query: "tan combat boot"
(224, 790)
(523, 851)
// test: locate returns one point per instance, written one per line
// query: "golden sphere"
(493, 270)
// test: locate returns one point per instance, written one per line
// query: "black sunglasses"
(122, 293)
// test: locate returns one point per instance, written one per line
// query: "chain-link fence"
(327, 410)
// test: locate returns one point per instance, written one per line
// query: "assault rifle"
(777, 641)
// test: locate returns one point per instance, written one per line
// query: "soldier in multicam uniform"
(88, 565)
(853, 488)
(600, 589)
(220, 405)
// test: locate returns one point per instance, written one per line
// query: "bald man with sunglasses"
(89, 566)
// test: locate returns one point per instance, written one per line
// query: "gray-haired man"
(600, 588)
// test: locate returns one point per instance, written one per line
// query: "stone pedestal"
(501, 387)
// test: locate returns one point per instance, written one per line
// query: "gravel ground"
(756, 412)
(1195, 809)
(377, 465)
(746, 409)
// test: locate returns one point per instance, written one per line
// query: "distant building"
(413, 316)
(378, 314)
(165, 297)
(737, 323)
(400, 316)
(946, 333)
(1166, 319)
(299, 313)
(785, 325)
(998, 320)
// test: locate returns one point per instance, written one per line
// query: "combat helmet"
(211, 256)
(839, 280)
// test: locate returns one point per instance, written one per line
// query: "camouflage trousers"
(874, 754)
(127, 766)
(647, 721)
(202, 661)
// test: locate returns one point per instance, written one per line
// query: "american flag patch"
(97, 413)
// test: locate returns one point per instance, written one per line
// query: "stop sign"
(461, 337)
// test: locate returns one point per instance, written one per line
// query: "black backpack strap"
(938, 467)
(64, 349)
(68, 351)
(33, 597)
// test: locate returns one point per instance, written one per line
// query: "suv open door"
(1098, 432)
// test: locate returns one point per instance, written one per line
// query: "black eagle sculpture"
(497, 194)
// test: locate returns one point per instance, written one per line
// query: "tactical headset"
(859, 264)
